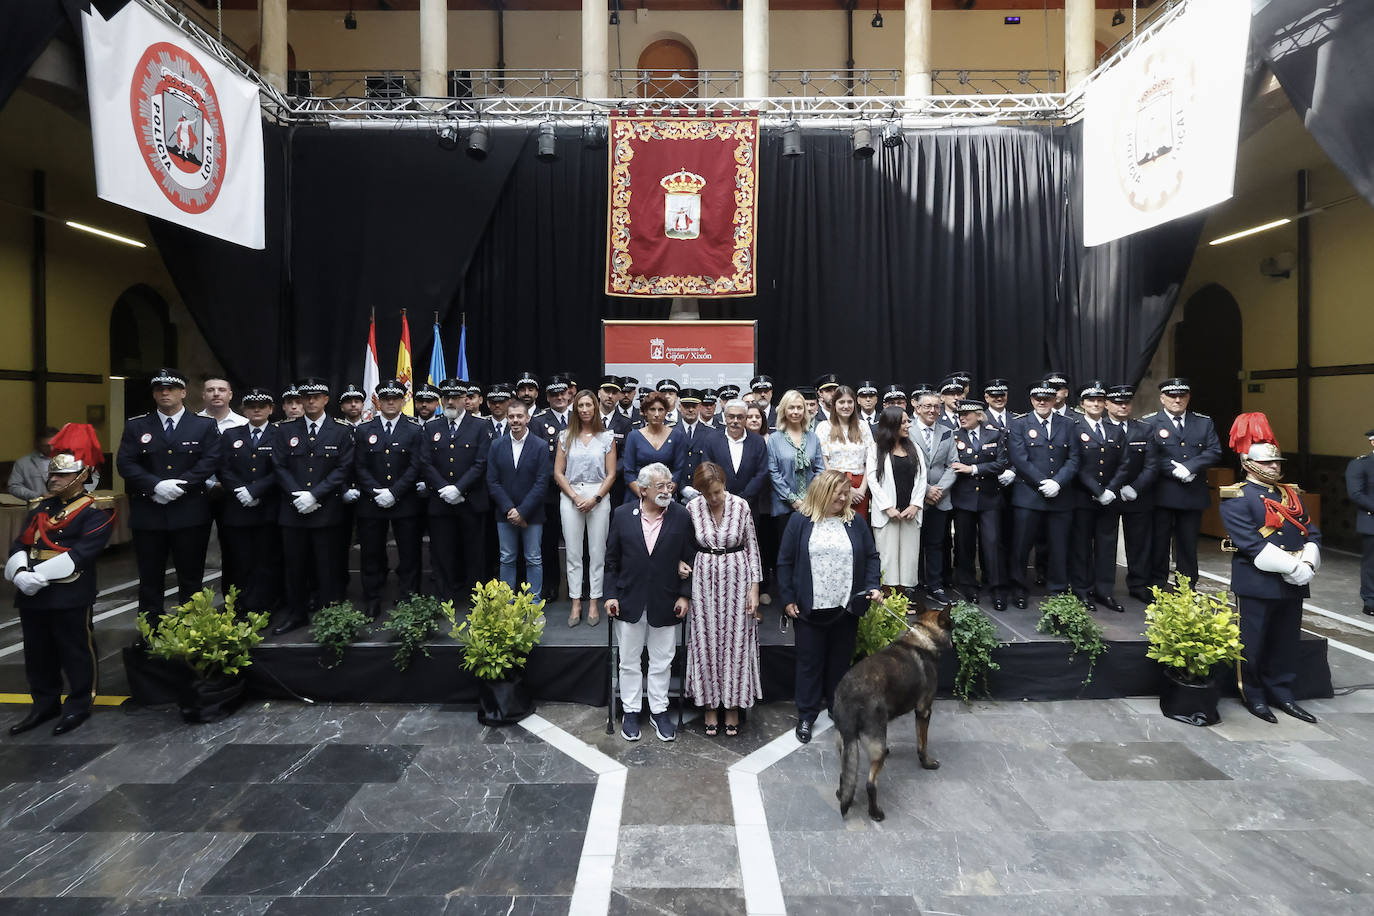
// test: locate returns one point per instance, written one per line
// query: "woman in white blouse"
(584, 470)
(897, 488)
(845, 441)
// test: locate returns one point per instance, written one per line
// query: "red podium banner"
(683, 207)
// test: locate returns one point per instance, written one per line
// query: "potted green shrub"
(413, 621)
(882, 623)
(1189, 632)
(498, 635)
(214, 643)
(975, 638)
(1068, 618)
(335, 627)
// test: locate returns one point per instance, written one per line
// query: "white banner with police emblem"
(1160, 131)
(177, 134)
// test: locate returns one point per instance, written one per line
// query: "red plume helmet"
(80, 441)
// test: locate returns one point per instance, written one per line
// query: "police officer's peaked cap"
(1175, 386)
(996, 386)
(1043, 389)
(866, 387)
(668, 384)
(527, 378)
(258, 396)
(453, 387)
(168, 378)
(968, 405)
(1093, 389)
(313, 385)
(391, 388)
(1120, 393)
(427, 392)
(690, 396)
(827, 380)
(352, 391)
(893, 392)
(610, 382)
(761, 383)
(499, 391)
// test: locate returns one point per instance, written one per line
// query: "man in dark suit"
(1096, 493)
(518, 474)
(743, 457)
(649, 541)
(456, 446)
(976, 497)
(249, 528)
(1183, 445)
(1136, 495)
(1045, 455)
(165, 458)
(313, 456)
(1359, 485)
(388, 459)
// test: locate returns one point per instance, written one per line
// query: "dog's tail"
(849, 772)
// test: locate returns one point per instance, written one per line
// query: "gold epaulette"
(1232, 490)
(104, 502)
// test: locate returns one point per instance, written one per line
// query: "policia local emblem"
(1152, 136)
(179, 126)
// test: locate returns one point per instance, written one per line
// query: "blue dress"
(639, 452)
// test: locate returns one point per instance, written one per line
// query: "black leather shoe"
(1297, 712)
(804, 731)
(940, 595)
(70, 722)
(971, 595)
(1039, 579)
(1261, 711)
(1021, 602)
(999, 604)
(35, 718)
(1109, 602)
(287, 625)
(1369, 610)
(1142, 595)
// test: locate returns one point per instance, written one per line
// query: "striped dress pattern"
(723, 641)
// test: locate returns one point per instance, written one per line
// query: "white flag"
(370, 378)
(177, 134)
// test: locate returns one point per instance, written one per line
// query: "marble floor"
(1070, 807)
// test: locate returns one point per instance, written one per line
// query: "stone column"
(916, 48)
(272, 54)
(434, 48)
(596, 30)
(755, 85)
(1079, 47)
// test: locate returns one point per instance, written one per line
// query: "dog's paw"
(930, 763)
(876, 813)
(844, 808)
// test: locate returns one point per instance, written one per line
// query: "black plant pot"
(503, 702)
(212, 699)
(1195, 704)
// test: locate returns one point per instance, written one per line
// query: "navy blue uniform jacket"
(82, 538)
(527, 483)
(242, 465)
(1136, 470)
(324, 466)
(1197, 449)
(146, 457)
(980, 490)
(794, 561)
(1249, 528)
(1359, 484)
(1036, 459)
(648, 582)
(392, 462)
(459, 459)
(1099, 465)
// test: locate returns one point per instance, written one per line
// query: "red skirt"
(860, 507)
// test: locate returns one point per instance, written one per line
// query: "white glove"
(1048, 488)
(451, 495)
(1128, 493)
(1006, 477)
(1107, 498)
(29, 582)
(1182, 472)
(1312, 554)
(304, 502)
(1300, 576)
(1272, 559)
(690, 493)
(168, 490)
(244, 497)
(420, 487)
(383, 497)
(17, 561)
(351, 495)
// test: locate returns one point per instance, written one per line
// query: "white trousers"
(899, 546)
(662, 643)
(597, 523)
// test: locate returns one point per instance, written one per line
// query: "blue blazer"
(529, 482)
(459, 459)
(752, 477)
(794, 561)
(146, 458)
(782, 468)
(648, 582)
(1035, 459)
(1197, 450)
(241, 465)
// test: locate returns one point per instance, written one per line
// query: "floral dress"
(723, 641)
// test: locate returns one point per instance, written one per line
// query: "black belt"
(720, 551)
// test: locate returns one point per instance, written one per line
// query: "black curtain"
(26, 27)
(1320, 52)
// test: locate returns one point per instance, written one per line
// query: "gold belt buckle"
(1227, 546)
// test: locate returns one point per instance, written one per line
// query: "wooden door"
(672, 71)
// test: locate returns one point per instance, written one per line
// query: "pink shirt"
(651, 528)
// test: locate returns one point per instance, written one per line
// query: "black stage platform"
(571, 664)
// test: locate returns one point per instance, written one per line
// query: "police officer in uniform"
(52, 565)
(1277, 551)
(291, 404)
(455, 466)
(952, 392)
(762, 386)
(1183, 445)
(249, 526)
(426, 403)
(527, 389)
(866, 394)
(826, 385)
(388, 460)
(1135, 496)
(980, 457)
(706, 413)
(671, 390)
(1359, 484)
(165, 458)
(1096, 494)
(895, 396)
(1044, 451)
(313, 456)
(698, 436)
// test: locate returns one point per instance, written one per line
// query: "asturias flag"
(436, 359)
(403, 368)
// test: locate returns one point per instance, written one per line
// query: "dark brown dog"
(889, 683)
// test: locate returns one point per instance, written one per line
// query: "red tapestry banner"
(683, 207)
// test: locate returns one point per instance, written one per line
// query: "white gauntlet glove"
(1300, 576)
(29, 582)
(1181, 472)
(451, 495)
(18, 561)
(1129, 494)
(383, 498)
(420, 488)
(1311, 553)
(1048, 488)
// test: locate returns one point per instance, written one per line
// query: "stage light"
(615, 13)
(448, 137)
(1118, 18)
(1251, 231)
(892, 135)
(863, 142)
(791, 140)
(877, 22)
(594, 135)
(477, 142)
(123, 239)
(547, 150)
(350, 21)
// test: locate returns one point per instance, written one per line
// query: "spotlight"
(594, 135)
(477, 142)
(547, 150)
(791, 140)
(877, 22)
(863, 142)
(892, 135)
(350, 21)
(448, 137)
(615, 17)
(1118, 18)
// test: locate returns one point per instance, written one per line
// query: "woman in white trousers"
(584, 470)
(897, 487)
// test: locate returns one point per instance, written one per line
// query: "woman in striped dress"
(723, 637)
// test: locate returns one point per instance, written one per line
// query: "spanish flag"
(403, 370)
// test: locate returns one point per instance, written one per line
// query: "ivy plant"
(413, 621)
(334, 627)
(1066, 617)
(975, 637)
(878, 628)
